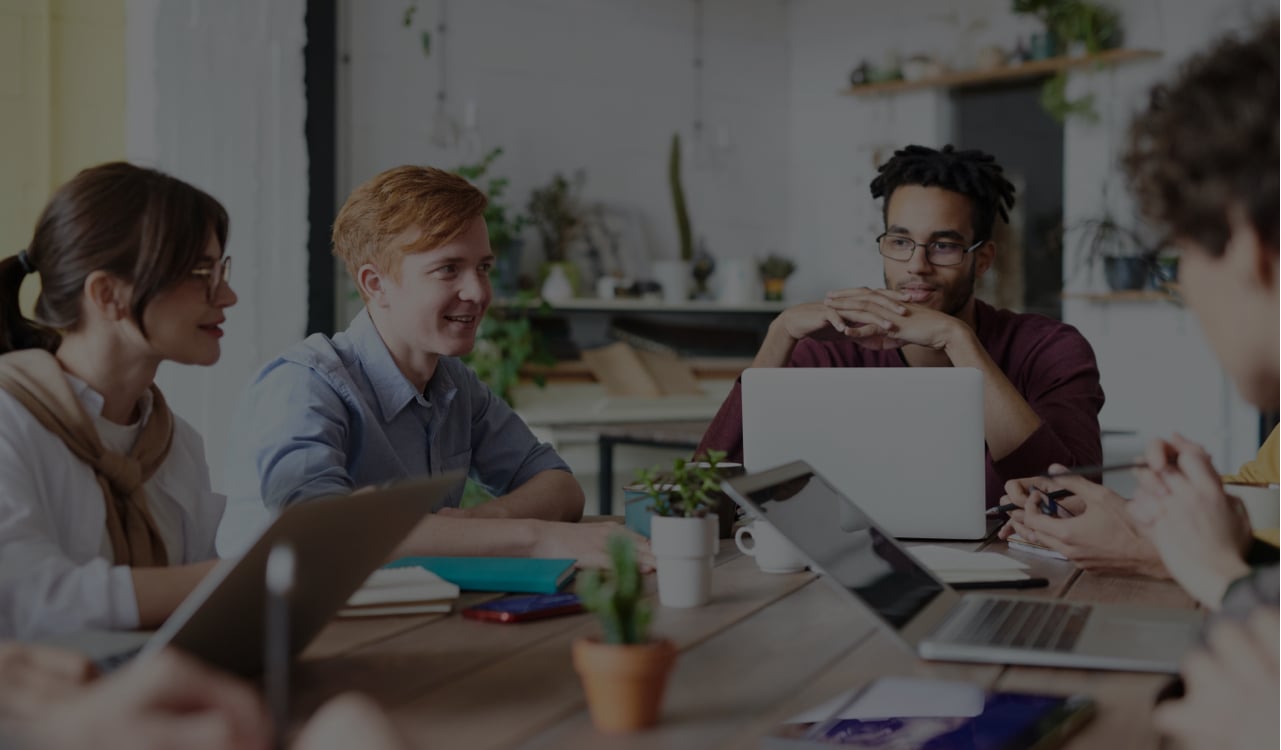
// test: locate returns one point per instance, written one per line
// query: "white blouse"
(56, 571)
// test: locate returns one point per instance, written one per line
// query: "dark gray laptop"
(870, 568)
(337, 543)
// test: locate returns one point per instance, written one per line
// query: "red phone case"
(498, 615)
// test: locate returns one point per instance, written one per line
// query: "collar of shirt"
(391, 388)
(93, 401)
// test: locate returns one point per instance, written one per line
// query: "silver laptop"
(337, 543)
(870, 568)
(906, 443)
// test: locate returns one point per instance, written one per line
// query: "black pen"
(1021, 583)
(1054, 497)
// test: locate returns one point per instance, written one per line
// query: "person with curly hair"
(1041, 384)
(1202, 164)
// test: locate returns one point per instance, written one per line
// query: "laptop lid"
(337, 541)
(906, 442)
(844, 545)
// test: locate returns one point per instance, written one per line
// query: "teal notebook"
(525, 575)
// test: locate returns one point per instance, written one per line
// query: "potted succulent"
(674, 275)
(504, 229)
(555, 212)
(684, 528)
(623, 672)
(774, 272)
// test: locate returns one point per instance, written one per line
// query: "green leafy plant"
(1056, 104)
(678, 199)
(690, 490)
(503, 227)
(1068, 21)
(555, 212)
(616, 595)
(505, 342)
(776, 267)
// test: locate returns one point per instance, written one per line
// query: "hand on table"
(1199, 530)
(165, 700)
(586, 543)
(1099, 536)
(32, 677)
(1230, 688)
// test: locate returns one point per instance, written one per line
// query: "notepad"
(504, 574)
(403, 591)
(958, 566)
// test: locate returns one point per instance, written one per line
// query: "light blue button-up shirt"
(329, 415)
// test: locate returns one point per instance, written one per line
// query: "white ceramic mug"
(773, 552)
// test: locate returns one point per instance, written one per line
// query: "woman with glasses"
(107, 518)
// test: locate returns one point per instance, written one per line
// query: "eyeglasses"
(938, 253)
(215, 274)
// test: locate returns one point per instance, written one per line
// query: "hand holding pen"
(1099, 534)
(1048, 501)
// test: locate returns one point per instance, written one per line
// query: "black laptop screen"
(842, 540)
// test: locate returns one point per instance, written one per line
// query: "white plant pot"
(685, 552)
(674, 276)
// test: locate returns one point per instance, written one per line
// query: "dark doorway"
(1009, 123)
(320, 60)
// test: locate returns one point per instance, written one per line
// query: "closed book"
(503, 574)
(386, 610)
(403, 586)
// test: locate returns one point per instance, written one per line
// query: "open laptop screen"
(845, 545)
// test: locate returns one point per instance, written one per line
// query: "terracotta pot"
(624, 684)
(774, 289)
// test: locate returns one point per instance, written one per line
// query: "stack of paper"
(957, 566)
(401, 591)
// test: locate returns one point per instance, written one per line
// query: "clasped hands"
(874, 318)
(1181, 523)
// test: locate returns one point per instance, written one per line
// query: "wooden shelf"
(648, 305)
(1033, 69)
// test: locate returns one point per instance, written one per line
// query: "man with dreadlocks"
(1041, 385)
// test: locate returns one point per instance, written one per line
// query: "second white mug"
(773, 552)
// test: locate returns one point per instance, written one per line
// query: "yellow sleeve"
(1266, 467)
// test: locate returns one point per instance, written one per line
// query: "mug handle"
(738, 541)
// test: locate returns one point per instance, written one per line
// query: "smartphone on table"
(525, 608)
(909, 712)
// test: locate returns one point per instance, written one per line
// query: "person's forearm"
(549, 496)
(159, 591)
(1008, 420)
(447, 536)
(777, 348)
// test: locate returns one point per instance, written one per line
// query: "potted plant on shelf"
(684, 528)
(504, 229)
(555, 212)
(774, 272)
(1128, 260)
(623, 672)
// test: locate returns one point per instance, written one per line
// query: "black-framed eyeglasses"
(214, 276)
(937, 252)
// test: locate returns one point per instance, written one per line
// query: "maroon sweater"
(1050, 364)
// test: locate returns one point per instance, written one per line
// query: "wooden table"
(765, 648)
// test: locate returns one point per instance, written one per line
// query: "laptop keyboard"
(1041, 626)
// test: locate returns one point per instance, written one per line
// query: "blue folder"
(524, 575)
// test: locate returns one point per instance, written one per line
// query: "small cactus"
(616, 596)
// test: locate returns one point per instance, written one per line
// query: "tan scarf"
(34, 377)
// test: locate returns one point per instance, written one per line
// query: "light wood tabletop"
(766, 647)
